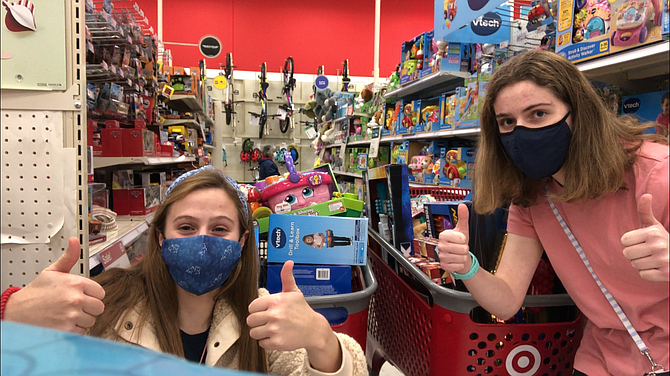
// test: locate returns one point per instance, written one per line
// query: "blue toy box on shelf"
(317, 240)
(591, 28)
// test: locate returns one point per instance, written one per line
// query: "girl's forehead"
(210, 202)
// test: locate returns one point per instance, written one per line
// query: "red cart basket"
(441, 338)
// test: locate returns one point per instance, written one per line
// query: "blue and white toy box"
(317, 240)
(313, 280)
(648, 107)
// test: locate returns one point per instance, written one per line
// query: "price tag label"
(254, 120)
(374, 148)
(504, 44)
(310, 132)
(281, 114)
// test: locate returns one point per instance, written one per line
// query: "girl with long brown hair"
(590, 190)
(195, 294)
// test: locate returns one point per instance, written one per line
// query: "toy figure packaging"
(592, 28)
(649, 107)
(313, 280)
(317, 240)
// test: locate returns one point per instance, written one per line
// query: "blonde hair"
(603, 145)
(150, 285)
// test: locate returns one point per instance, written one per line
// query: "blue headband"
(230, 181)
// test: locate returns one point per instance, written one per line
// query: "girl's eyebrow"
(524, 110)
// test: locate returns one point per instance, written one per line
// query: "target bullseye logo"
(523, 360)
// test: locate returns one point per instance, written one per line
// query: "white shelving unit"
(189, 123)
(359, 143)
(442, 79)
(189, 103)
(100, 162)
(351, 174)
(58, 116)
(465, 132)
(129, 228)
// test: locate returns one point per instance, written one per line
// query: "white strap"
(644, 350)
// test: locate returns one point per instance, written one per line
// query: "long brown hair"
(149, 285)
(603, 145)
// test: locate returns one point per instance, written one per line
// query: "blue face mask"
(538, 152)
(200, 264)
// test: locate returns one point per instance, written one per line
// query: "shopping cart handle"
(354, 302)
(460, 301)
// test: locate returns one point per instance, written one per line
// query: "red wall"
(316, 33)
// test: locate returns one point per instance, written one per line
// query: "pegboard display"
(43, 168)
(32, 178)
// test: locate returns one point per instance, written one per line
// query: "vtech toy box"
(649, 107)
(591, 28)
(313, 280)
(317, 240)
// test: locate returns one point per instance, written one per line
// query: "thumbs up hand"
(647, 247)
(453, 247)
(57, 299)
(284, 321)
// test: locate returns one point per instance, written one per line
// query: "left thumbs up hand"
(284, 321)
(647, 247)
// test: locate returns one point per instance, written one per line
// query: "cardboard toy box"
(136, 201)
(600, 28)
(390, 120)
(648, 107)
(412, 57)
(429, 115)
(313, 280)
(317, 240)
(447, 111)
(456, 166)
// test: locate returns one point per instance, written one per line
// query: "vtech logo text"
(487, 24)
(631, 105)
(277, 238)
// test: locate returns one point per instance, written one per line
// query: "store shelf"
(335, 145)
(351, 174)
(358, 143)
(208, 146)
(189, 123)
(188, 103)
(467, 132)
(99, 162)
(643, 62)
(430, 85)
(129, 228)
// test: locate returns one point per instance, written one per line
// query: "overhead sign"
(491, 27)
(210, 46)
(321, 82)
(220, 82)
(452, 16)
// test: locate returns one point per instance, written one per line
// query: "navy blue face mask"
(200, 264)
(538, 152)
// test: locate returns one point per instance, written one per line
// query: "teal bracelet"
(474, 268)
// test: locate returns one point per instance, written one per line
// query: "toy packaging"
(467, 112)
(456, 167)
(649, 107)
(593, 28)
(317, 240)
(441, 216)
(313, 280)
(407, 117)
(447, 111)
(429, 115)
(412, 58)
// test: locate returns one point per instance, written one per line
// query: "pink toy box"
(592, 28)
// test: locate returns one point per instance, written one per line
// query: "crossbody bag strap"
(644, 350)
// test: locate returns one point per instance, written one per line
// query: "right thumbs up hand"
(57, 299)
(453, 247)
